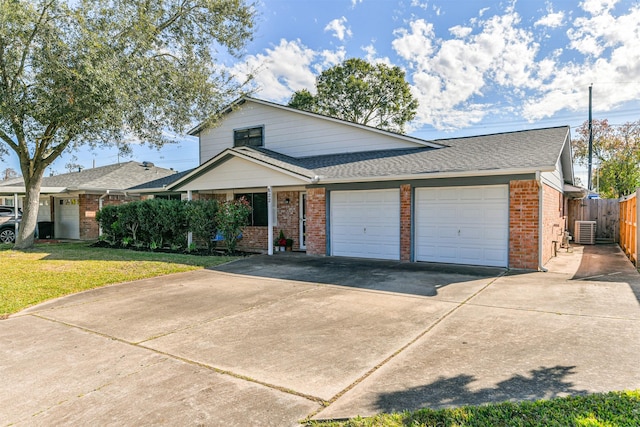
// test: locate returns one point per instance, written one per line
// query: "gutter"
(540, 222)
(435, 175)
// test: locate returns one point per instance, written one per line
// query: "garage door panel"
(365, 224)
(467, 225)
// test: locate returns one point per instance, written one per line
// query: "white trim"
(434, 175)
(302, 220)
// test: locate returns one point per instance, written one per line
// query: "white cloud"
(282, 70)
(371, 56)
(460, 32)
(339, 28)
(612, 63)
(450, 74)
(354, 3)
(595, 7)
(421, 4)
(551, 20)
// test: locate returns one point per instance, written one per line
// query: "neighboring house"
(344, 189)
(70, 201)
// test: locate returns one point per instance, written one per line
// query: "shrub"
(200, 218)
(231, 217)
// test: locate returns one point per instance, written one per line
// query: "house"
(70, 201)
(344, 189)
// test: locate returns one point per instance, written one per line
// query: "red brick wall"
(523, 224)
(405, 222)
(553, 221)
(257, 238)
(316, 221)
(88, 206)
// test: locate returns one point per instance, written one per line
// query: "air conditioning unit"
(585, 232)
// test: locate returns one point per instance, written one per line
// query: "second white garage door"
(463, 225)
(365, 224)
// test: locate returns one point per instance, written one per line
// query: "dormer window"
(251, 137)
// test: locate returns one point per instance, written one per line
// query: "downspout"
(100, 208)
(540, 222)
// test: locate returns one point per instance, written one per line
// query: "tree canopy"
(370, 94)
(616, 156)
(107, 73)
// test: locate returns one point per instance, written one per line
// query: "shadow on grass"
(542, 383)
(84, 251)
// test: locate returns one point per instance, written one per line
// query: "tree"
(616, 149)
(8, 173)
(107, 73)
(357, 91)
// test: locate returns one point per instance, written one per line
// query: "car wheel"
(7, 235)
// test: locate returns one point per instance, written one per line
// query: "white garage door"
(67, 222)
(365, 224)
(463, 225)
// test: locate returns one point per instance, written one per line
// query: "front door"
(303, 220)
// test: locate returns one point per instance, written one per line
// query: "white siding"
(554, 179)
(240, 173)
(294, 134)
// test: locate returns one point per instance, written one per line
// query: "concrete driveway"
(273, 341)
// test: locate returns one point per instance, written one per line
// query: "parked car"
(8, 223)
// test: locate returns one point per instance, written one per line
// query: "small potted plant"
(289, 245)
(281, 242)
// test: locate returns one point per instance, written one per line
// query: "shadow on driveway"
(607, 263)
(423, 279)
(543, 383)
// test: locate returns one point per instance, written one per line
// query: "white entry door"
(67, 219)
(463, 225)
(365, 223)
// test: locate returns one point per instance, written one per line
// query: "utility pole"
(590, 139)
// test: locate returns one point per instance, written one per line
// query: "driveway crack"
(404, 347)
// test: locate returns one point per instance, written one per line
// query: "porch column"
(189, 234)
(269, 221)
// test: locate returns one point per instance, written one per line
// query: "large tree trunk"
(26, 232)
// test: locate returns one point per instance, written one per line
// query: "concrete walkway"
(297, 337)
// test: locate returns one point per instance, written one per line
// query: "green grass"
(596, 410)
(53, 270)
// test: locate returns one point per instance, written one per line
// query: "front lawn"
(596, 410)
(52, 270)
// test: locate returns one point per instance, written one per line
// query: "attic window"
(251, 137)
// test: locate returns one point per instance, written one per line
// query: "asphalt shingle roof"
(120, 176)
(529, 149)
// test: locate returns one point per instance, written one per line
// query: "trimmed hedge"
(159, 223)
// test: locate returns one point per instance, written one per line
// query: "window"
(248, 137)
(168, 196)
(258, 203)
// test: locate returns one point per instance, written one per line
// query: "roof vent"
(147, 164)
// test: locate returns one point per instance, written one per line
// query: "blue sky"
(476, 66)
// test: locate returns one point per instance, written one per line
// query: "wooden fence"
(605, 212)
(629, 226)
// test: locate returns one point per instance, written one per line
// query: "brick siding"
(523, 224)
(89, 205)
(316, 221)
(257, 238)
(553, 220)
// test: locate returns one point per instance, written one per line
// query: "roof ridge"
(502, 133)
